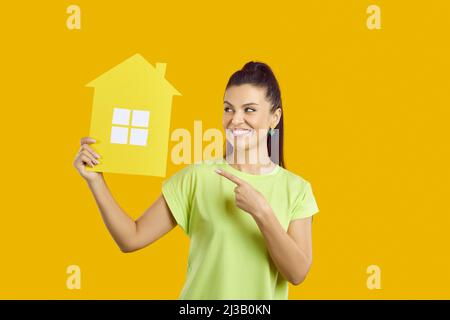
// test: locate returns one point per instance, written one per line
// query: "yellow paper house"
(131, 118)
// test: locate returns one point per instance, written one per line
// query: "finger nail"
(218, 170)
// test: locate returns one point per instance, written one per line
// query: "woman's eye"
(226, 109)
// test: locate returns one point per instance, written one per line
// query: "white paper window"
(124, 132)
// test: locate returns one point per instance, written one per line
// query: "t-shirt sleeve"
(178, 193)
(305, 205)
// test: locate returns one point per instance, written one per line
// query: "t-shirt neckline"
(251, 175)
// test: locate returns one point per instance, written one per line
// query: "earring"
(271, 131)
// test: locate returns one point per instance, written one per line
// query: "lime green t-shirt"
(228, 257)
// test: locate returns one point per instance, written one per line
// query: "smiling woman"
(248, 217)
(249, 222)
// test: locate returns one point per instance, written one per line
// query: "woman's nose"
(237, 118)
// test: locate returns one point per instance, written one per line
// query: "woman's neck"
(240, 162)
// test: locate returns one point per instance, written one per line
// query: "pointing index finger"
(229, 176)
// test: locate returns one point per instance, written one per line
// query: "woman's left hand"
(247, 198)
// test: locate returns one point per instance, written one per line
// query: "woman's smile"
(241, 132)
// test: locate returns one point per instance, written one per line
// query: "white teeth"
(242, 132)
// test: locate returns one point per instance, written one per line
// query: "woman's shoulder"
(293, 178)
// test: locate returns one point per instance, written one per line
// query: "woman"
(249, 222)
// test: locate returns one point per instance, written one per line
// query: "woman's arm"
(131, 235)
(291, 251)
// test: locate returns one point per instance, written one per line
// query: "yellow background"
(366, 118)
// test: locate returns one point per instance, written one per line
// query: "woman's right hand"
(87, 156)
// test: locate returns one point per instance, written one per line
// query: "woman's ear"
(276, 116)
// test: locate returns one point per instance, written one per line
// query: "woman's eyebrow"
(245, 104)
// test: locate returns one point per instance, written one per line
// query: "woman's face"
(247, 117)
